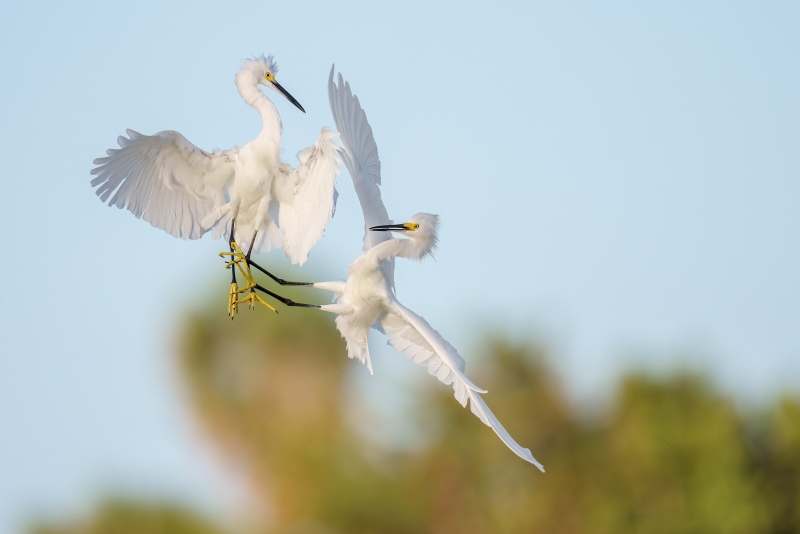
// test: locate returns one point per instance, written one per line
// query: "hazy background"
(619, 181)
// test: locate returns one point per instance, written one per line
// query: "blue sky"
(620, 179)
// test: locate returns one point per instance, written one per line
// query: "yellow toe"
(233, 303)
(252, 298)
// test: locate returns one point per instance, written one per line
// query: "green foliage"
(121, 517)
(776, 466)
(669, 455)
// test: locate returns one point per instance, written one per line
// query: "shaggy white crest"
(257, 67)
(252, 74)
(426, 234)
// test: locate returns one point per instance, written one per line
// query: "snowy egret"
(170, 183)
(367, 298)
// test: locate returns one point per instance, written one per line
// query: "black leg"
(253, 298)
(288, 302)
(230, 243)
(252, 244)
(250, 251)
(251, 263)
(281, 281)
(233, 305)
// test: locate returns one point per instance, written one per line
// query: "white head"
(261, 71)
(421, 229)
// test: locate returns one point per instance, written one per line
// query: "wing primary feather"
(413, 337)
(483, 412)
(360, 156)
(164, 179)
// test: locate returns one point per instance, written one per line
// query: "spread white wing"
(165, 180)
(307, 196)
(412, 336)
(360, 155)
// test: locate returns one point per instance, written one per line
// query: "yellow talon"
(252, 298)
(233, 303)
(238, 258)
(247, 287)
(235, 253)
(248, 275)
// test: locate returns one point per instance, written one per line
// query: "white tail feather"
(357, 340)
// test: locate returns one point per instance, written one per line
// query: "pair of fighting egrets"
(250, 196)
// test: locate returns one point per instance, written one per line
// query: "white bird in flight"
(170, 183)
(367, 298)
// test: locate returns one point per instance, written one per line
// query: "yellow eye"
(411, 226)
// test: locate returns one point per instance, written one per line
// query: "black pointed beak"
(289, 97)
(389, 228)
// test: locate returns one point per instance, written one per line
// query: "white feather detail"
(312, 201)
(356, 339)
(412, 336)
(360, 155)
(165, 180)
(483, 412)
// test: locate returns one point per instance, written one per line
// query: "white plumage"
(167, 181)
(367, 298)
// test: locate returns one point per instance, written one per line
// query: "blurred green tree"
(668, 455)
(124, 517)
(775, 440)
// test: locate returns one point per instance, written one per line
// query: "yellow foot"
(252, 298)
(239, 260)
(233, 302)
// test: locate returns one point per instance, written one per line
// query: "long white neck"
(271, 122)
(413, 249)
